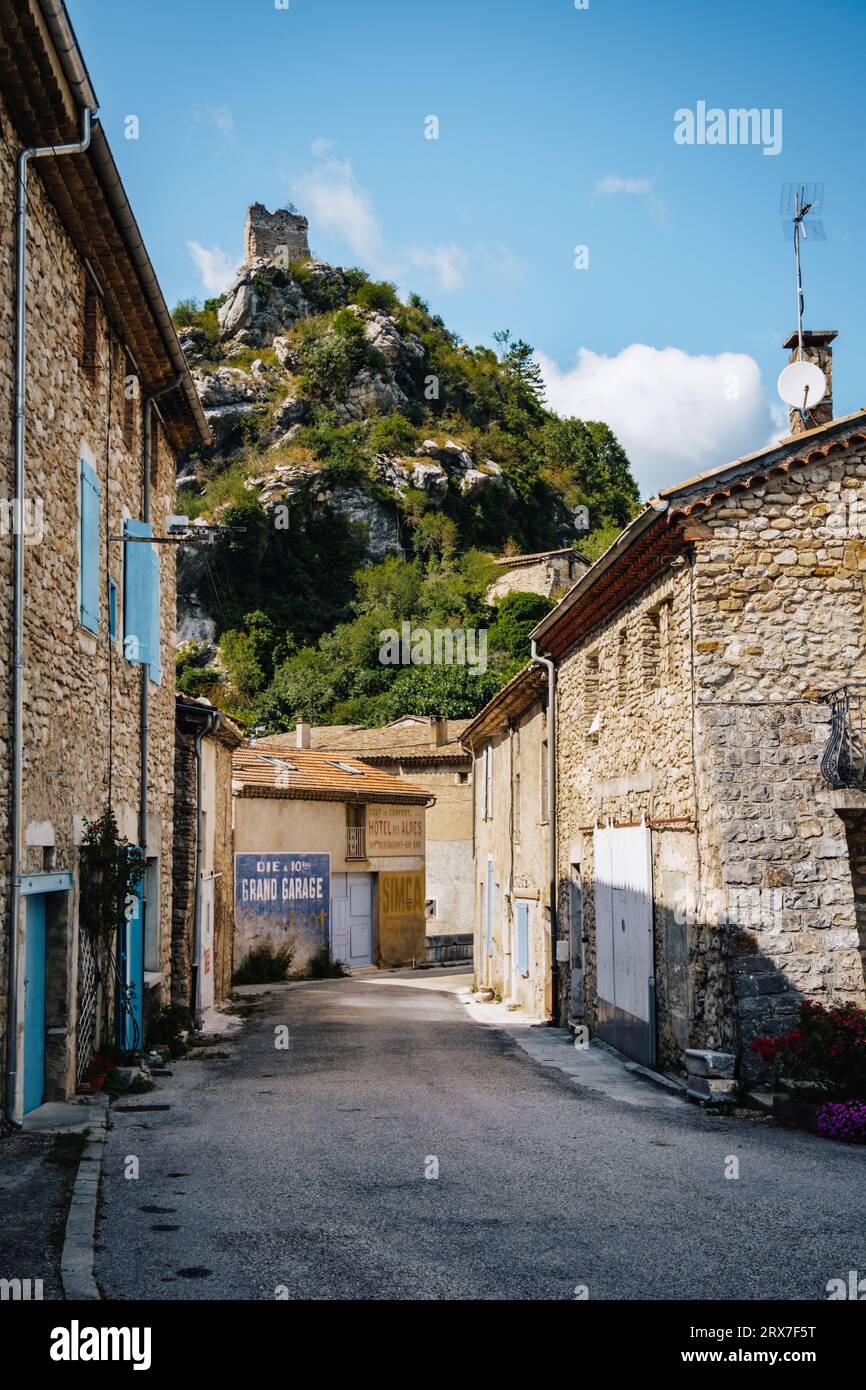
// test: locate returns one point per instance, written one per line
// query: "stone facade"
(549, 574)
(275, 234)
(81, 697)
(700, 706)
(511, 818)
(215, 963)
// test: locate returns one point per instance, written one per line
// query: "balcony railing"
(843, 763)
(356, 842)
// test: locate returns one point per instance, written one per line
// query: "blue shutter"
(523, 938)
(155, 663)
(89, 548)
(137, 597)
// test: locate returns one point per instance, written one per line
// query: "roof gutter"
(69, 54)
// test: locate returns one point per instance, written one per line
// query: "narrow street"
(299, 1172)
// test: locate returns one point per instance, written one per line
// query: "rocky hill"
(350, 427)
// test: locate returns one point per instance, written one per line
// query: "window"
(345, 767)
(89, 358)
(463, 778)
(112, 609)
(591, 711)
(487, 784)
(88, 574)
(516, 812)
(522, 910)
(356, 832)
(142, 627)
(130, 398)
(658, 646)
(622, 665)
(151, 915)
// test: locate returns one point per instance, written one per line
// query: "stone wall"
(624, 752)
(70, 754)
(272, 234)
(752, 867)
(515, 840)
(779, 622)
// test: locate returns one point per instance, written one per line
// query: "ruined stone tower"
(265, 233)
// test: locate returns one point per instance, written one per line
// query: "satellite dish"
(802, 385)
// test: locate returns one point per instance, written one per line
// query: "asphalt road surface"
(310, 1172)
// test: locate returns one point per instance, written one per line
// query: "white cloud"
(674, 414)
(612, 184)
(338, 206)
(215, 266)
(220, 116)
(334, 202)
(449, 264)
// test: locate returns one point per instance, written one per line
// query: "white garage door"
(624, 939)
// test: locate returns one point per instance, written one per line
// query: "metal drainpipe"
(211, 721)
(551, 793)
(144, 712)
(17, 720)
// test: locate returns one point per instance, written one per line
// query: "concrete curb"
(78, 1257)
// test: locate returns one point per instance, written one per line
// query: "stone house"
(548, 573)
(202, 918)
(710, 877)
(512, 833)
(88, 602)
(329, 852)
(428, 750)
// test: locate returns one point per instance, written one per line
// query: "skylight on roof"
(278, 762)
(346, 767)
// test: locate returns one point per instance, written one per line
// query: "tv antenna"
(802, 384)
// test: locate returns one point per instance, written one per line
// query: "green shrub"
(516, 616)
(393, 434)
(264, 965)
(378, 294)
(321, 967)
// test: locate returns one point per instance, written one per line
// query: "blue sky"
(556, 129)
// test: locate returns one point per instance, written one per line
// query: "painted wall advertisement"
(282, 898)
(402, 925)
(394, 831)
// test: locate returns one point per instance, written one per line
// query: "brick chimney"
(302, 733)
(817, 348)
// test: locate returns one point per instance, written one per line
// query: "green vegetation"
(321, 967)
(264, 965)
(299, 610)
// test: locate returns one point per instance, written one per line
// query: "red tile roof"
(267, 769)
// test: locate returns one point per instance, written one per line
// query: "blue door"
(131, 970)
(34, 1002)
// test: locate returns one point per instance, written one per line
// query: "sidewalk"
(595, 1067)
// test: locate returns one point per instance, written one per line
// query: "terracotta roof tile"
(269, 769)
